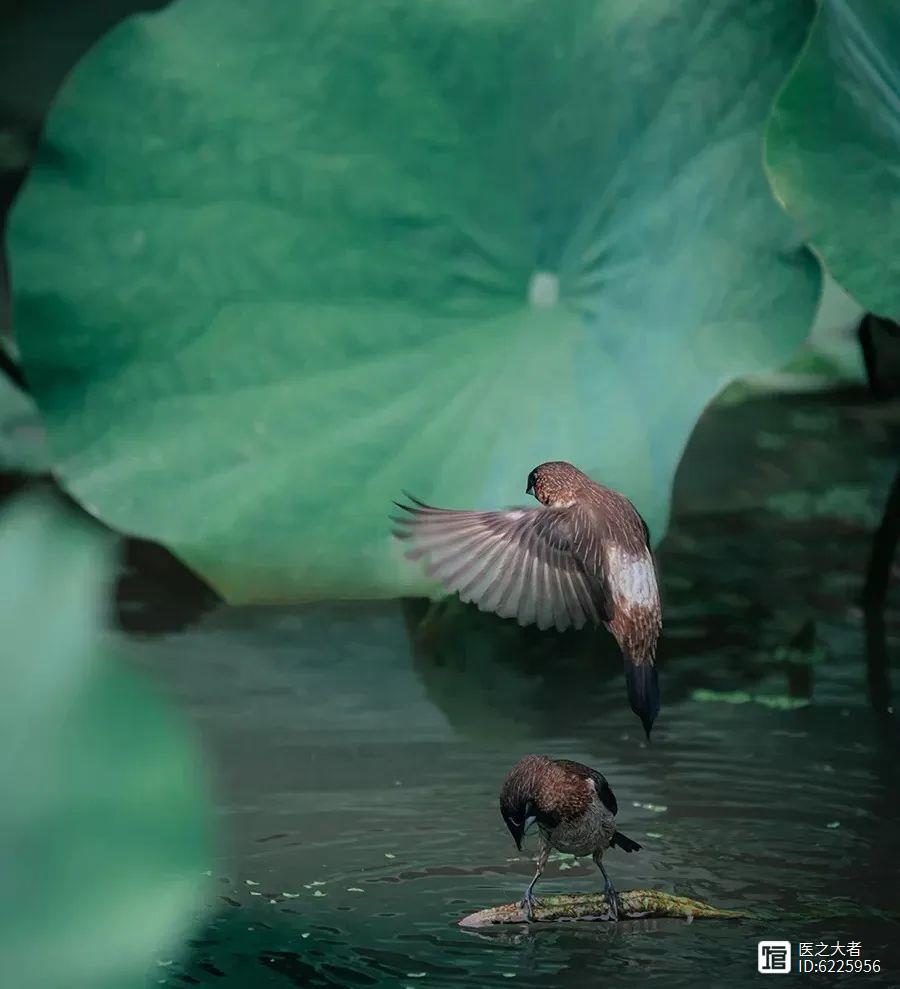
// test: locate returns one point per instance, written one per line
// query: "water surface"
(358, 749)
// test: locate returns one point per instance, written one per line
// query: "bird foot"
(612, 901)
(528, 904)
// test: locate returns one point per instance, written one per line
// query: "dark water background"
(357, 749)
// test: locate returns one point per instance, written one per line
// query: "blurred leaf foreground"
(104, 827)
(285, 260)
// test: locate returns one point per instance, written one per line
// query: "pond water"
(357, 750)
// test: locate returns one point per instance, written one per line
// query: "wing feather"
(501, 567)
(522, 563)
(602, 787)
(563, 616)
(542, 602)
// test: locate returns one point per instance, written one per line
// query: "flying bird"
(583, 555)
(574, 809)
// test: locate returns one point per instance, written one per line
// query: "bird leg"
(528, 900)
(612, 897)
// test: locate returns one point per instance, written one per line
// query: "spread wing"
(524, 563)
(604, 791)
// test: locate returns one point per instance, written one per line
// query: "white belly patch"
(632, 579)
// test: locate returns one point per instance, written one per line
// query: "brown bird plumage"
(575, 811)
(584, 555)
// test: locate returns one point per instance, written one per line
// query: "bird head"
(555, 482)
(518, 818)
(522, 798)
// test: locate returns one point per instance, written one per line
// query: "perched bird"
(583, 555)
(574, 809)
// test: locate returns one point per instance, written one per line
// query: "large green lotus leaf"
(833, 147)
(831, 355)
(298, 257)
(103, 826)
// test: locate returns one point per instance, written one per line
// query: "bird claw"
(528, 904)
(612, 902)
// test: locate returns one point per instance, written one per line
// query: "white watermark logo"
(773, 957)
(814, 957)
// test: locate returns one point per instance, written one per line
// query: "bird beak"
(529, 489)
(517, 831)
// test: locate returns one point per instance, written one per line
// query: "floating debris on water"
(781, 702)
(778, 702)
(656, 808)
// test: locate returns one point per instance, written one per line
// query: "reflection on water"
(359, 749)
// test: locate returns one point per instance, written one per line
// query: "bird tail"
(624, 842)
(643, 691)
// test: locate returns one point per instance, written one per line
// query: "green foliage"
(103, 826)
(298, 257)
(831, 353)
(834, 142)
(22, 441)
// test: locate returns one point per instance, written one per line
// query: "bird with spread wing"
(583, 555)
